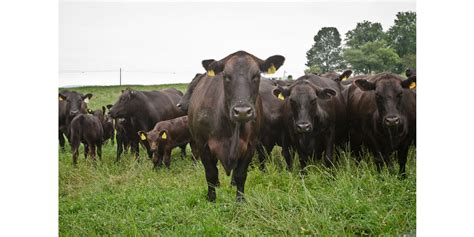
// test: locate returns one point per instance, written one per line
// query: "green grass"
(130, 199)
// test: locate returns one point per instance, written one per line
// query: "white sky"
(175, 37)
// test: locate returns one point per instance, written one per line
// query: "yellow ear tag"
(281, 97)
(86, 100)
(143, 137)
(271, 69)
(344, 78)
(60, 99)
(90, 111)
(211, 73)
(413, 85)
(163, 136)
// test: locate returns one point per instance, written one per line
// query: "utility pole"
(120, 76)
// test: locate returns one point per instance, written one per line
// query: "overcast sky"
(175, 37)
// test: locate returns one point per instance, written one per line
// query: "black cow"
(271, 132)
(71, 104)
(382, 113)
(106, 122)
(86, 128)
(225, 114)
(143, 109)
(315, 117)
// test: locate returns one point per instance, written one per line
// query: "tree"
(364, 32)
(325, 54)
(373, 57)
(402, 35)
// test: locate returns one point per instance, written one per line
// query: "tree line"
(367, 49)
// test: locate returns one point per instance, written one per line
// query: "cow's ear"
(271, 64)
(62, 97)
(410, 72)
(215, 68)
(109, 106)
(281, 92)
(345, 75)
(409, 83)
(205, 64)
(142, 135)
(87, 97)
(325, 93)
(103, 110)
(365, 85)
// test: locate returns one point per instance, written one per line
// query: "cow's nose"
(153, 150)
(392, 120)
(242, 112)
(303, 126)
(73, 112)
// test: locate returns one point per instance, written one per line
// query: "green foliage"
(130, 199)
(364, 32)
(373, 57)
(402, 35)
(409, 61)
(313, 69)
(326, 50)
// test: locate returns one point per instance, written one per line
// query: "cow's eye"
(399, 95)
(378, 96)
(314, 101)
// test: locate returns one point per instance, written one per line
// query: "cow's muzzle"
(303, 127)
(242, 113)
(391, 121)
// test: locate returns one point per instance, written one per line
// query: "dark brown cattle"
(225, 114)
(71, 103)
(183, 103)
(143, 109)
(315, 117)
(123, 135)
(108, 125)
(336, 76)
(271, 132)
(165, 136)
(382, 113)
(106, 122)
(86, 128)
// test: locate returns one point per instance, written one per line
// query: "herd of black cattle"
(229, 112)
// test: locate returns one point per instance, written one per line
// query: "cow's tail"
(234, 149)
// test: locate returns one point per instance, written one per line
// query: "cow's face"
(303, 98)
(241, 75)
(388, 94)
(154, 138)
(126, 104)
(76, 103)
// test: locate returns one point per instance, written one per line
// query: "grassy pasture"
(130, 199)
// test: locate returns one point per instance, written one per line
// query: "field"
(130, 199)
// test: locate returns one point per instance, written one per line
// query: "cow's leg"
(210, 167)
(303, 161)
(285, 151)
(402, 160)
(119, 147)
(329, 149)
(167, 157)
(261, 156)
(86, 150)
(99, 150)
(75, 154)
(92, 151)
(240, 174)
(148, 150)
(157, 160)
(62, 141)
(193, 152)
(183, 151)
(135, 148)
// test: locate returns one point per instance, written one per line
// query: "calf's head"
(240, 73)
(76, 103)
(154, 138)
(303, 98)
